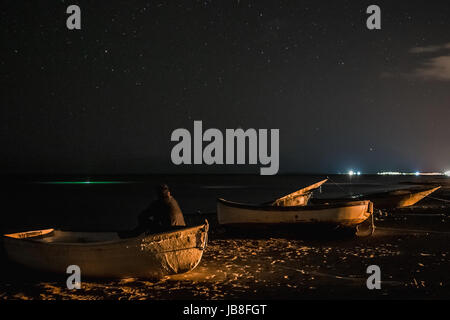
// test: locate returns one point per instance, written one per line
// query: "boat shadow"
(322, 233)
(17, 276)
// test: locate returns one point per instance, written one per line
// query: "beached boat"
(389, 199)
(104, 254)
(399, 198)
(345, 214)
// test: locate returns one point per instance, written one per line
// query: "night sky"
(105, 99)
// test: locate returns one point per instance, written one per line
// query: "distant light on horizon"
(354, 173)
(447, 173)
(390, 173)
(417, 173)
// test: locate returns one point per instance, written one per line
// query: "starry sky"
(105, 99)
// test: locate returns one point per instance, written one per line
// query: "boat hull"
(393, 200)
(146, 256)
(387, 200)
(344, 214)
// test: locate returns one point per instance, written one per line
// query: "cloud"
(430, 49)
(436, 68)
(434, 63)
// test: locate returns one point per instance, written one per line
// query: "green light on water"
(82, 182)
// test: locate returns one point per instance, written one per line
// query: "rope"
(334, 276)
(400, 230)
(439, 199)
(371, 227)
(346, 192)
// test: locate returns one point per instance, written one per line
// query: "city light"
(351, 172)
(390, 173)
(417, 173)
(447, 173)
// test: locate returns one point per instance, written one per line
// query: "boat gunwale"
(308, 207)
(155, 237)
(381, 195)
(392, 193)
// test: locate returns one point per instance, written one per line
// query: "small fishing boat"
(106, 255)
(399, 198)
(389, 199)
(345, 214)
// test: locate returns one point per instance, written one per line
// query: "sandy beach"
(414, 264)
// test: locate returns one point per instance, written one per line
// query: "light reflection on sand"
(279, 268)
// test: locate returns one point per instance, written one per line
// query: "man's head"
(163, 191)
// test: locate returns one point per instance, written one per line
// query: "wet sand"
(414, 264)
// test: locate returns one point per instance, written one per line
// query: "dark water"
(39, 202)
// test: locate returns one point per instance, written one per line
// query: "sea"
(107, 203)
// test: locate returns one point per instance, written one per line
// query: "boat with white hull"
(106, 255)
(345, 214)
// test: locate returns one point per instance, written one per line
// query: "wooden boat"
(390, 199)
(105, 255)
(346, 214)
(399, 198)
(299, 197)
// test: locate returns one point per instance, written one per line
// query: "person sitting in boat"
(162, 213)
